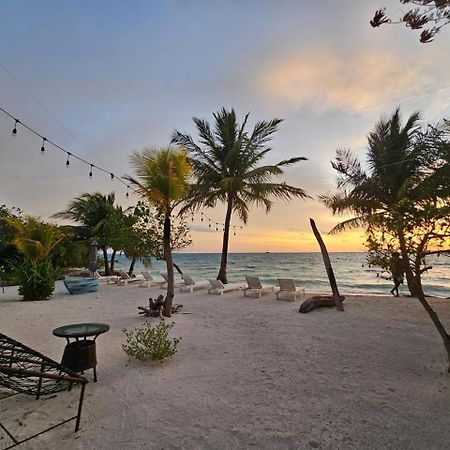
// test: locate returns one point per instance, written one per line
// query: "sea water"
(352, 272)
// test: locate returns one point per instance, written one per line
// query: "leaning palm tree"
(226, 163)
(162, 180)
(92, 212)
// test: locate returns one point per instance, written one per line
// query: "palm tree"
(226, 166)
(163, 181)
(407, 177)
(92, 211)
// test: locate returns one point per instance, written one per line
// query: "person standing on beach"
(397, 272)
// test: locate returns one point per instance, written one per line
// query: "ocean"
(353, 275)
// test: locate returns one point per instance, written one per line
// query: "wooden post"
(326, 261)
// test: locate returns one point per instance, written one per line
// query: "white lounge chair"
(254, 286)
(217, 287)
(287, 286)
(106, 278)
(148, 280)
(125, 278)
(190, 285)
(163, 284)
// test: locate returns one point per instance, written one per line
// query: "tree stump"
(155, 308)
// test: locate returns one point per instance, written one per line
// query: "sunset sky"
(105, 78)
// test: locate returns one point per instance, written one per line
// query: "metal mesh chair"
(29, 372)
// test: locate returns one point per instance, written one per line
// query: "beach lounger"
(148, 280)
(163, 284)
(217, 287)
(254, 286)
(190, 285)
(125, 278)
(106, 278)
(287, 287)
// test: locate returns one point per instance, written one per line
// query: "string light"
(43, 145)
(14, 131)
(46, 142)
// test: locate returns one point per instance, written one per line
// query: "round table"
(80, 354)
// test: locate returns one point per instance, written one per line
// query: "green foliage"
(403, 198)
(7, 230)
(149, 342)
(36, 280)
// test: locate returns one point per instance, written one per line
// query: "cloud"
(325, 81)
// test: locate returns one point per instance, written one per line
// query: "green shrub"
(36, 280)
(148, 342)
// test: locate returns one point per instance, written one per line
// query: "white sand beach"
(249, 373)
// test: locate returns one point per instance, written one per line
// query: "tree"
(145, 236)
(36, 241)
(162, 180)
(432, 13)
(403, 199)
(92, 212)
(226, 166)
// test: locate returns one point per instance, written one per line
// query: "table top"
(76, 330)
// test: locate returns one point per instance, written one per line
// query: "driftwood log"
(155, 308)
(318, 301)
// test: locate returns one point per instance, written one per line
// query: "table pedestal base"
(79, 356)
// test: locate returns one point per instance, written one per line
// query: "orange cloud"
(324, 81)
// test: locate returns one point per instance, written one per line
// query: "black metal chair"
(26, 371)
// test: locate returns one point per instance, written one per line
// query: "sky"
(103, 79)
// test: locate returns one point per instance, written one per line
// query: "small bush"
(36, 280)
(148, 342)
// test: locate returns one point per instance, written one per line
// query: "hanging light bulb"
(209, 224)
(112, 176)
(201, 217)
(14, 131)
(68, 156)
(127, 194)
(90, 172)
(43, 146)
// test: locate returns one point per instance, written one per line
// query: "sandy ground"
(249, 373)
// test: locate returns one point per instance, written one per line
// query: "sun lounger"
(148, 280)
(287, 286)
(125, 278)
(106, 278)
(177, 283)
(217, 287)
(190, 285)
(254, 286)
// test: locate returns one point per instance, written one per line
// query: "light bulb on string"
(112, 176)
(68, 156)
(90, 172)
(14, 131)
(43, 146)
(127, 194)
(209, 224)
(201, 217)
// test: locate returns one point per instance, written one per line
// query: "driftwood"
(317, 301)
(155, 308)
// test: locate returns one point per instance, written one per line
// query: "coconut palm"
(226, 163)
(92, 212)
(405, 191)
(162, 180)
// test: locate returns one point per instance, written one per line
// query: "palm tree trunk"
(105, 258)
(131, 269)
(113, 260)
(169, 263)
(417, 291)
(222, 275)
